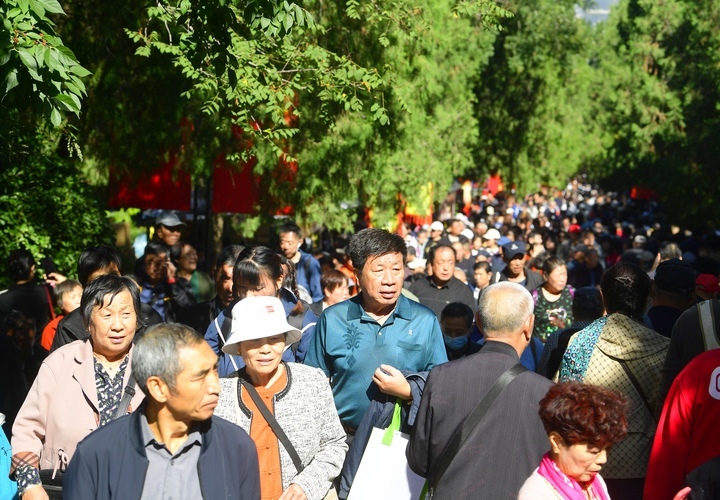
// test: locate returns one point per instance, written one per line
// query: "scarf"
(577, 357)
(567, 487)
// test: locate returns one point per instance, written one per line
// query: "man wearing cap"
(363, 343)
(515, 270)
(673, 292)
(436, 234)
(172, 446)
(168, 228)
(442, 287)
(706, 287)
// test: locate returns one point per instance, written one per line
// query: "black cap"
(513, 248)
(675, 276)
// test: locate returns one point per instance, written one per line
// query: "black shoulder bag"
(469, 425)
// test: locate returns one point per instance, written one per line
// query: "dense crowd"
(525, 345)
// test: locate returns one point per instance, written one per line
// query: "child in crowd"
(67, 297)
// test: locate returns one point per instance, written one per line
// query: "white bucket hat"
(256, 318)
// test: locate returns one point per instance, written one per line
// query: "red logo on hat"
(270, 309)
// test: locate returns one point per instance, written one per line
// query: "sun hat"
(257, 318)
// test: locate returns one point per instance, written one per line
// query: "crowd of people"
(531, 344)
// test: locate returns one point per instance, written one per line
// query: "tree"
(656, 99)
(532, 97)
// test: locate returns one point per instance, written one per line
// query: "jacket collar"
(136, 434)
(501, 347)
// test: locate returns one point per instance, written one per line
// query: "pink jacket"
(62, 405)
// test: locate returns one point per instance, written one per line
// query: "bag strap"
(707, 324)
(472, 421)
(636, 383)
(50, 301)
(273, 423)
(126, 398)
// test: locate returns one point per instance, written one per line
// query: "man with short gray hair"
(509, 441)
(172, 446)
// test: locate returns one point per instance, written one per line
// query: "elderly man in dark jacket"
(172, 447)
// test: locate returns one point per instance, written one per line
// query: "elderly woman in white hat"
(287, 408)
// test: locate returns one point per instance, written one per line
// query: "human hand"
(294, 492)
(683, 493)
(391, 381)
(56, 278)
(169, 270)
(35, 493)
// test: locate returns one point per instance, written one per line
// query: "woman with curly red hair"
(582, 421)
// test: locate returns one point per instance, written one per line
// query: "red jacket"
(687, 434)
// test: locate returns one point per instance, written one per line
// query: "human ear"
(556, 442)
(157, 389)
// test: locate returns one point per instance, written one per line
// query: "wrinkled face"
(340, 293)
(557, 279)
(455, 327)
(381, 280)
(224, 284)
(482, 277)
(515, 265)
(265, 288)
(188, 259)
(169, 235)
(581, 461)
(197, 386)
(290, 244)
(154, 267)
(262, 356)
(443, 265)
(112, 326)
(71, 300)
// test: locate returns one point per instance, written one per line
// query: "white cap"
(415, 263)
(257, 318)
(492, 234)
(437, 226)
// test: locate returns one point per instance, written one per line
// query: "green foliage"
(44, 204)
(42, 72)
(429, 55)
(532, 101)
(655, 100)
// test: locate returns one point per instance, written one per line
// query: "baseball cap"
(437, 226)
(708, 282)
(492, 234)
(168, 219)
(513, 248)
(675, 276)
(257, 318)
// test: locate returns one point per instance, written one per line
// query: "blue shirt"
(225, 363)
(349, 346)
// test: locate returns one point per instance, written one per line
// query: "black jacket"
(111, 462)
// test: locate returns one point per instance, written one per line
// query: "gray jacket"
(306, 412)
